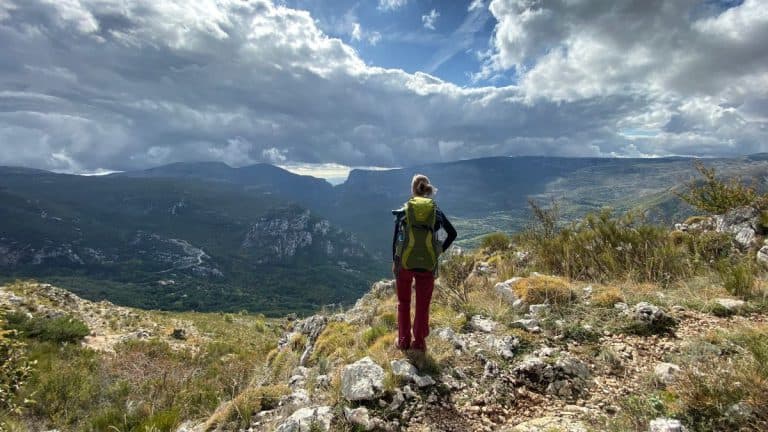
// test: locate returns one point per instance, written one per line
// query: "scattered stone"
(762, 254)
(308, 419)
(298, 398)
(397, 400)
(742, 222)
(565, 377)
(666, 425)
(651, 316)
(403, 368)
(358, 417)
(621, 306)
(449, 335)
(739, 411)
(505, 289)
(546, 424)
(490, 370)
(666, 373)
(409, 393)
(323, 381)
(481, 324)
(362, 380)
(538, 309)
(504, 346)
(731, 306)
(530, 325)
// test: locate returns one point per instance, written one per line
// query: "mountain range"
(207, 236)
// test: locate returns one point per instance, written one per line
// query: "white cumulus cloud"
(113, 85)
(429, 19)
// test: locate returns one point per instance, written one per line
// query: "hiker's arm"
(449, 229)
(394, 239)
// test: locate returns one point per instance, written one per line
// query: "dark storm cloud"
(99, 84)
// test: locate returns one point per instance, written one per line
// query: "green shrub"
(454, 272)
(604, 247)
(716, 196)
(337, 341)
(707, 247)
(495, 242)
(65, 386)
(15, 370)
(579, 333)
(373, 333)
(705, 395)
(63, 329)
(660, 326)
(388, 320)
(738, 277)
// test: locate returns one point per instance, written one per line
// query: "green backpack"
(417, 246)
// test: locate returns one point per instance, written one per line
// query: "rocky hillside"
(176, 243)
(511, 349)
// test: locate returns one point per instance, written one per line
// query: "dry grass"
(606, 297)
(539, 289)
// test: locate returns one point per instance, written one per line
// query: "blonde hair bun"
(420, 186)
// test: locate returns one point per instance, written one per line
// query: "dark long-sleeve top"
(441, 221)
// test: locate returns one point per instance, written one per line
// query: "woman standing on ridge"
(415, 249)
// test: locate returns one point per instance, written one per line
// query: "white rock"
(666, 373)
(505, 289)
(423, 380)
(403, 368)
(397, 400)
(362, 380)
(308, 419)
(481, 324)
(359, 417)
(547, 424)
(666, 425)
(529, 325)
(731, 305)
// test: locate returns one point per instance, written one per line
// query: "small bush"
(495, 242)
(716, 196)
(607, 297)
(660, 326)
(706, 396)
(64, 329)
(15, 370)
(388, 320)
(604, 247)
(580, 333)
(738, 277)
(454, 272)
(539, 289)
(373, 333)
(337, 341)
(253, 400)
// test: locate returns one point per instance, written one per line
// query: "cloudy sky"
(89, 85)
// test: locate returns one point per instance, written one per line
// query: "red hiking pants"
(425, 282)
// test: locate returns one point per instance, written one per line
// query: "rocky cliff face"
(277, 238)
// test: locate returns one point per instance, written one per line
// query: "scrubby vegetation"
(570, 288)
(716, 196)
(495, 242)
(50, 381)
(63, 329)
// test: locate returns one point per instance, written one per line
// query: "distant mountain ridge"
(267, 237)
(176, 243)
